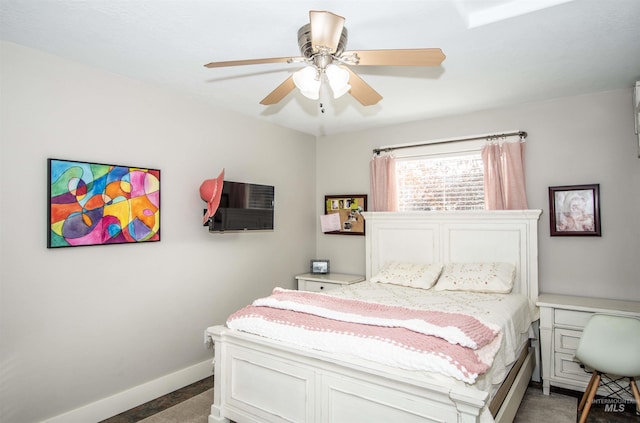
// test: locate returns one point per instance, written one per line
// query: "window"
(449, 181)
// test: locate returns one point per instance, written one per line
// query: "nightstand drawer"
(325, 282)
(566, 340)
(319, 286)
(572, 318)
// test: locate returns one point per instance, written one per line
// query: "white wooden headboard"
(446, 237)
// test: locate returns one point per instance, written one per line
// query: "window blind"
(441, 182)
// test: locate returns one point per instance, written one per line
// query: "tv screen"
(244, 207)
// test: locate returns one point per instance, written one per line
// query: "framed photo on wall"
(347, 213)
(574, 210)
(101, 204)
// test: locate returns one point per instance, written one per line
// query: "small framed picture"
(319, 266)
(575, 210)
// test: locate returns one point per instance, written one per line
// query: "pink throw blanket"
(456, 328)
(453, 344)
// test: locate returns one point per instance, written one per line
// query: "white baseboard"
(126, 400)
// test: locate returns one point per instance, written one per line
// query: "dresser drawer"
(571, 317)
(566, 366)
(562, 321)
(319, 286)
(566, 340)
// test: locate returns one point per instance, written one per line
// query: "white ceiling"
(499, 52)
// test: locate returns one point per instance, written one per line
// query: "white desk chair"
(609, 345)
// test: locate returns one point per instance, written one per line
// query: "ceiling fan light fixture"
(323, 42)
(338, 80)
(308, 82)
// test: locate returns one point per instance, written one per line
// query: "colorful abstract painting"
(98, 204)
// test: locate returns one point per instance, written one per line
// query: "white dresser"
(319, 283)
(562, 318)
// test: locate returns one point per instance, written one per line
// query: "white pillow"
(477, 277)
(415, 275)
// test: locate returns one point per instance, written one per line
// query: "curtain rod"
(522, 134)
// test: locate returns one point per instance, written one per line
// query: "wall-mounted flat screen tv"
(244, 207)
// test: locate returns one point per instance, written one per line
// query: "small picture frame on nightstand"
(319, 266)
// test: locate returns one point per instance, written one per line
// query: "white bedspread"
(509, 315)
(453, 344)
(512, 313)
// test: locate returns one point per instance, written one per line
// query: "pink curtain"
(504, 184)
(383, 184)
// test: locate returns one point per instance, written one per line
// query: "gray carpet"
(535, 408)
(554, 408)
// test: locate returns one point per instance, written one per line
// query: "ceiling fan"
(322, 44)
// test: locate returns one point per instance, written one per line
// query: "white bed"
(262, 380)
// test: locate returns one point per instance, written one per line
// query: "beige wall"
(581, 140)
(82, 324)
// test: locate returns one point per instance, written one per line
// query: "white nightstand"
(562, 318)
(319, 283)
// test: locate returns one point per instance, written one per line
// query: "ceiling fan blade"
(401, 57)
(252, 62)
(326, 29)
(362, 91)
(280, 92)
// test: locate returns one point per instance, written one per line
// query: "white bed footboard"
(258, 381)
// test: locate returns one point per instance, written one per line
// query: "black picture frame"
(91, 203)
(319, 266)
(574, 210)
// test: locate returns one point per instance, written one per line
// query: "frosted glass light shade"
(338, 80)
(307, 81)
